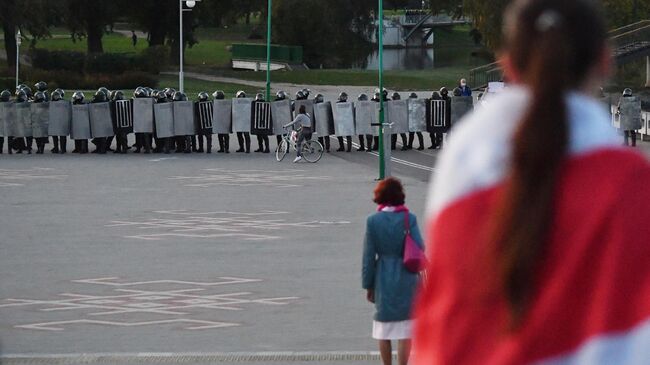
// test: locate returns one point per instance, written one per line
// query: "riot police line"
(166, 121)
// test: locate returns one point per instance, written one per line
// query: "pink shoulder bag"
(414, 258)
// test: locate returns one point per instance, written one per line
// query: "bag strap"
(407, 226)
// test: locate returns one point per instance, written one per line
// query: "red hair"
(389, 192)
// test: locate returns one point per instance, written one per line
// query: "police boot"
(77, 144)
(341, 146)
(208, 143)
(200, 140)
(362, 144)
(101, 146)
(247, 139)
(63, 142)
(267, 149)
(193, 139)
(434, 142)
(118, 144)
(146, 141)
(278, 139)
(40, 146)
(108, 143)
(2, 144)
(240, 141)
(28, 144)
(393, 142)
(421, 141)
(222, 144)
(405, 144)
(633, 138)
(83, 146)
(226, 139)
(55, 142)
(348, 139)
(138, 142)
(125, 144)
(260, 144)
(166, 145)
(326, 141)
(188, 144)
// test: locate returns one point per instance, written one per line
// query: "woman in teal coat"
(389, 285)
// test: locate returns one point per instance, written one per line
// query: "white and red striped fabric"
(592, 303)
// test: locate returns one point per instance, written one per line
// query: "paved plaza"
(189, 258)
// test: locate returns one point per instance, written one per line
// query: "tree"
(90, 19)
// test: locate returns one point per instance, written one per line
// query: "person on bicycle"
(303, 120)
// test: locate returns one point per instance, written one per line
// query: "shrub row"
(151, 60)
(70, 80)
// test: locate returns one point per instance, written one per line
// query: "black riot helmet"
(61, 92)
(240, 94)
(5, 96)
(20, 87)
(118, 95)
(40, 97)
(161, 96)
(154, 93)
(457, 92)
(27, 91)
(21, 97)
(148, 90)
(300, 95)
(40, 86)
(203, 96)
(218, 95)
(627, 92)
(140, 93)
(259, 97)
(396, 96)
(56, 96)
(78, 97)
(343, 97)
(435, 96)
(179, 96)
(100, 97)
(281, 95)
(170, 93)
(105, 91)
(319, 98)
(376, 97)
(444, 92)
(306, 92)
(362, 97)
(413, 96)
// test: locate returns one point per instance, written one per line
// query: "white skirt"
(400, 330)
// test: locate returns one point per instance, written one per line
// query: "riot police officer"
(436, 138)
(343, 98)
(362, 138)
(279, 96)
(101, 143)
(42, 87)
(142, 139)
(121, 134)
(412, 134)
(21, 144)
(183, 143)
(39, 97)
(243, 138)
(629, 123)
(203, 97)
(393, 137)
(224, 138)
(262, 135)
(80, 145)
(5, 97)
(58, 140)
(444, 95)
(167, 143)
(324, 140)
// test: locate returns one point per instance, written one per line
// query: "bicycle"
(312, 150)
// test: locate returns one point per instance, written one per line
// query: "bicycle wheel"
(312, 151)
(282, 150)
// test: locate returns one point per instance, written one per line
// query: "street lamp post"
(190, 4)
(19, 41)
(268, 52)
(382, 160)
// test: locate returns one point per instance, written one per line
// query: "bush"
(152, 59)
(76, 81)
(57, 60)
(110, 63)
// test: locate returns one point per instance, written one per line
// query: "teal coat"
(383, 269)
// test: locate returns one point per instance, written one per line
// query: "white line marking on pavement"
(402, 162)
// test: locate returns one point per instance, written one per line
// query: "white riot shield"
(123, 110)
(40, 119)
(324, 119)
(3, 119)
(80, 122)
(630, 112)
(460, 106)
(417, 115)
(343, 114)
(397, 112)
(366, 114)
(10, 124)
(241, 114)
(184, 118)
(23, 119)
(60, 118)
(204, 117)
(164, 118)
(222, 123)
(309, 107)
(101, 124)
(143, 115)
(281, 115)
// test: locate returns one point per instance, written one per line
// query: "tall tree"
(90, 19)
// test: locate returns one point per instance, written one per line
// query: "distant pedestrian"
(465, 90)
(389, 285)
(134, 38)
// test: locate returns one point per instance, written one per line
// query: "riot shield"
(222, 123)
(143, 115)
(630, 111)
(397, 112)
(101, 123)
(324, 119)
(281, 115)
(417, 115)
(123, 116)
(309, 107)
(460, 106)
(343, 114)
(23, 120)
(261, 119)
(366, 113)
(3, 119)
(81, 122)
(241, 114)
(204, 117)
(60, 118)
(164, 119)
(10, 123)
(184, 118)
(40, 119)
(437, 119)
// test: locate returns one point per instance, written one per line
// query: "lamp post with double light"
(190, 4)
(19, 41)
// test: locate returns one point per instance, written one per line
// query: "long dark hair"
(553, 45)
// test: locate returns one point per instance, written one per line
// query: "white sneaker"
(297, 159)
